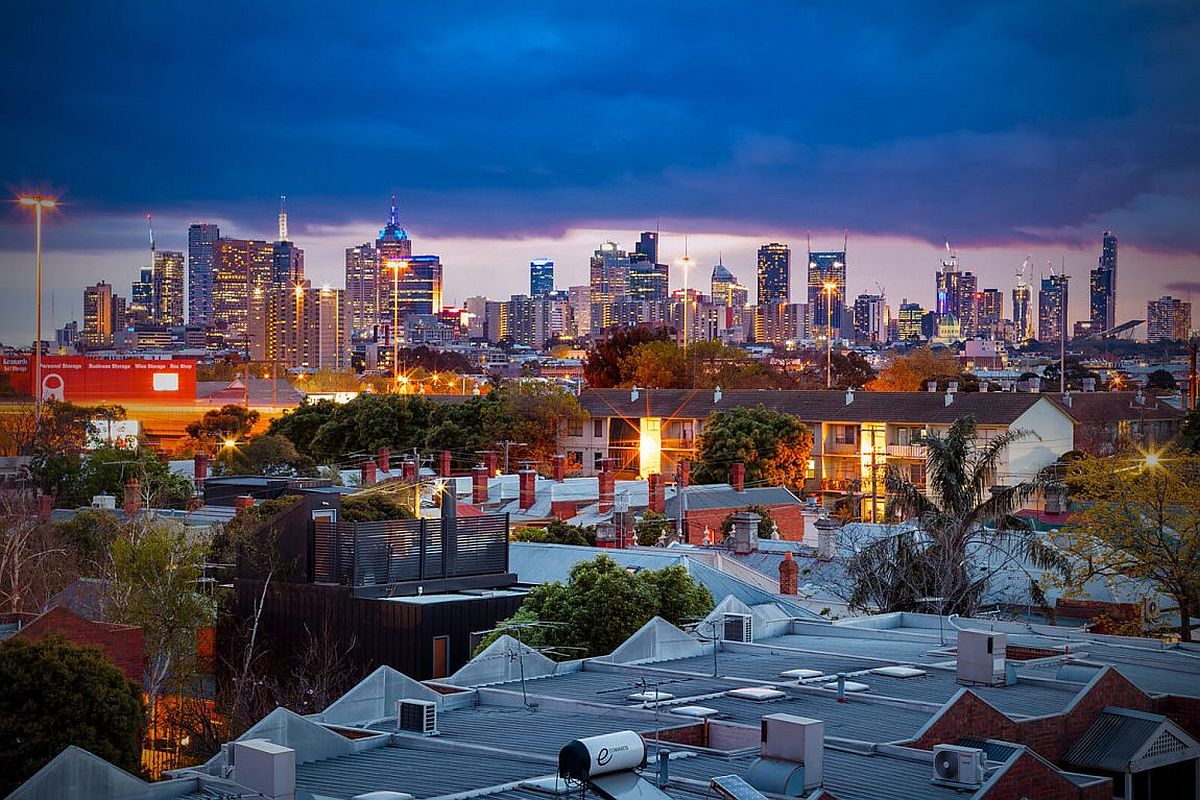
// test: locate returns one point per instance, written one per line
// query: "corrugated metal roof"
(1114, 739)
(722, 495)
(988, 408)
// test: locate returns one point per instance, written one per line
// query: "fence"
(398, 551)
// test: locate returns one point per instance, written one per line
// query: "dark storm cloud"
(986, 124)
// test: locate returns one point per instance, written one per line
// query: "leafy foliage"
(911, 371)
(1161, 380)
(652, 527)
(75, 479)
(602, 605)
(949, 521)
(1189, 431)
(773, 445)
(221, 424)
(375, 507)
(58, 694)
(1138, 521)
(605, 362)
(558, 532)
(765, 526)
(89, 535)
(265, 455)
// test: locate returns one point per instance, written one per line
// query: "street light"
(38, 204)
(684, 263)
(830, 287)
(396, 266)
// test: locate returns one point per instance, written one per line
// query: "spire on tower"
(150, 225)
(393, 215)
(283, 226)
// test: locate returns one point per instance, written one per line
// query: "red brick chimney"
(685, 473)
(788, 574)
(479, 484)
(528, 485)
(385, 460)
(444, 464)
(242, 502)
(408, 470)
(492, 462)
(201, 468)
(133, 497)
(737, 477)
(607, 486)
(368, 473)
(560, 467)
(658, 493)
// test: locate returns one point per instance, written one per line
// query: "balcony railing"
(906, 451)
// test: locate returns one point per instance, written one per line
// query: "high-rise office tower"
(909, 321)
(870, 318)
(120, 316)
(1022, 295)
(541, 277)
(1103, 287)
(202, 241)
(167, 306)
(722, 285)
(287, 265)
(305, 327)
(528, 320)
(647, 246)
(579, 298)
(989, 312)
(956, 294)
(362, 288)
(141, 297)
(407, 284)
(827, 267)
(649, 281)
(1168, 319)
(242, 274)
(97, 315)
(774, 286)
(1052, 308)
(609, 282)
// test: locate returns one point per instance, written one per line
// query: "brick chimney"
(368, 473)
(408, 470)
(479, 484)
(737, 477)
(492, 462)
(201, 468)
(133, 497)
(560, 467)
(607, 486)
(384, 459)
(788, 574)
(658, 493)
(242, 502)
(528, 483)
(444, 464)
(685, 473)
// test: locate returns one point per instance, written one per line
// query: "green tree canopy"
(1161, 380)
(230, 422)
(601, 605)
(376, 506)
(58, 694)
(1189, 431)
(268, 454)
(652, 527)
(605, 361)
(774, 447)
(557, 532)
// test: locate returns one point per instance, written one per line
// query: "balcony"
(678, 444)
(916, 451)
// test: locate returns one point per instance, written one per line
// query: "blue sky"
(509, 129)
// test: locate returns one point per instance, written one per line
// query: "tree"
(231, 422)
(652, 528)
(1138, 521)
(850, 371)
(1076, 375)
(58, 694)
(535, 413)
(265, 455)
(89, 535)
(1161, 380)
(960, 512)
(765, 525)
(35, 560)
(602, 605)
(376, 506)
(913, 370)
(558, 532)
(154, 583)
(1189, 431)
(107, 469)
(773, 445)
(655, 365)
(603, 368)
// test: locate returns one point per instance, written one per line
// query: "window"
(575, 428)
(598, 428)
(598, 461)
(845, 434)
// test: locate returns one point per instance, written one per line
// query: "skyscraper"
(647, 246)
(202, 239)
(242, 274)
(909, 321)
(362, 288)
(287, 265)
(167, 306)
(733, 297)
(541, 277)
(774, 284)
(97, 315)
(989, 312)
(407, 284)
(1103, 287)
(1168, 319)
(956, 294)
(305, 327)
(826, 267)
(870, 318)
(141, 297)
(1052, 308)
(609, 283)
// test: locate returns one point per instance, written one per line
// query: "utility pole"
(506, 444)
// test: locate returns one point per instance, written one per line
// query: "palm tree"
(961, 515)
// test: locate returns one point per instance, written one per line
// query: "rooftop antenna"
(394, 214)
(283, 226)
(845, 241)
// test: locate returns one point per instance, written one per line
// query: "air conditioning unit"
(418, 716)
(981, 657)
(957, 766)
(738, 628)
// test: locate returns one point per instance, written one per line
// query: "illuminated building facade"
(202, 243)
(826, 267)
(242, 274)
(909, 322)
(1052, 309)
(1103, 295)
(362, 288)
(167, 306)
(1168, 319)
(287, 265)
(609, 273)
(989, 314)
(97, 315)
(774, 283)
(541, 277)
(1022, 295)
(870, 318)
(306, 328)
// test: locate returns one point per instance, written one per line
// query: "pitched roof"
(988, 408)
(1120, 737)
(1114, 406)
(722, 495)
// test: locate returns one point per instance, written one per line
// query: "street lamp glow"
(230, 444)
(37, 200)
(39, 204)
(1152, 460)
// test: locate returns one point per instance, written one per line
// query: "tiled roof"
(988, 408)
(1115, 406)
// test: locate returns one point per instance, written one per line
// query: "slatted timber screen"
(482, 545)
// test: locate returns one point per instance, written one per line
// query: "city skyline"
(1000, 129)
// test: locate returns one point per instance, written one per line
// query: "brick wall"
(1016, 652)
(789, 519)
(693, 735)
(1183, 711)
(122, 644)
(1030, 777)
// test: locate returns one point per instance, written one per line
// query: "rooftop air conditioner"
(738, 628)
(957, 766)
(418, 716)
(981, 657)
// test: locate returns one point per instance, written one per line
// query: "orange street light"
(39, 204)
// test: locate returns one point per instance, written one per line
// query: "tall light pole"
(829, 287)
(38, 204)
(396, 267)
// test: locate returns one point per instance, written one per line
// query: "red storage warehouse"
(78, 379)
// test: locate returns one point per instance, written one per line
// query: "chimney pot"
(479, 484)
(409, 470)
(717, 395)
(560, 467)
(788, 574)
(385, 460)
(200, 463)
(243, 502)
(737, 476)
(527, 482)
(658, 493)
(133, 497)
(368, 473)
(685, 473)
(849, 396)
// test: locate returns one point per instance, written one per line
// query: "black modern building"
(1103, 305)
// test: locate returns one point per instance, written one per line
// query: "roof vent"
(633, 394)
(717, 395)
(960, 767)
(418, 716)
(849, 395)
(265, 767)
(383, 795)
(800, 740)
(650, 696)
(759, 694)
(981, 657)
(850, 686)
